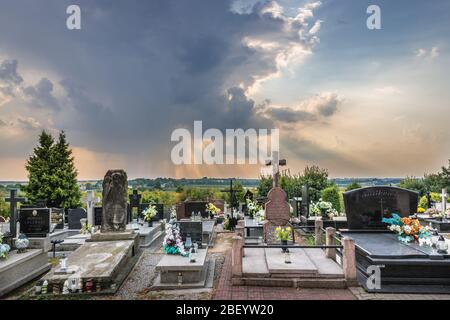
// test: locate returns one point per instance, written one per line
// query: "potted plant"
(149, 214)
(212, 210)
(284, 235)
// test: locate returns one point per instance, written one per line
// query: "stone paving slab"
(254, 263)
(361, 294)
(326, 267)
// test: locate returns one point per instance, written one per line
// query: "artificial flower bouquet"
(22, 243)
(172, 243)
(283, 234)
(212, 209)
(86, 228)
(253, 207)
(260, 215)
(150, 212)
(324, 209)
(4, 248)
(408, 229)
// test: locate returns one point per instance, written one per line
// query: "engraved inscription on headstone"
(35, 222)
(192, 228)
(366, 207)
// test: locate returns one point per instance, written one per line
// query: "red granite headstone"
(277, 212)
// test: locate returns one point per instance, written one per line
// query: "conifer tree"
(39, 170)
(52, 174)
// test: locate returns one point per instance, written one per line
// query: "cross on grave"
(135, 201)
(444, 197)
(276, 163)
(233, 200)
(13, 200)
(91, 200)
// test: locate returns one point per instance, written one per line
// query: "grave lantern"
(287, 256)
(63, 264)
(442, 245)
(434, 238)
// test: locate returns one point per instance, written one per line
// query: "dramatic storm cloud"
(137, 70)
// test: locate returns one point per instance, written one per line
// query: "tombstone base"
(193, 274)
(21, 268)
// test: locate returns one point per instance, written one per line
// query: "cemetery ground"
(137, 285)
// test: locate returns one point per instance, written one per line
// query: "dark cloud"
(41, 95)
(290, 116)
(9, 77)
(140, 69)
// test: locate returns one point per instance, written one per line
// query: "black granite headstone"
(98, 213)
(74, 218)
(196, 207)
(194, 229)
(35, 222)
(366, 207)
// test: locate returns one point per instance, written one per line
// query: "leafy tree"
(317, 179)
(264, 186)
(52, 174)
(332, 194)
(413, 183)
(445, 177)
(4, 208)
(352, 186)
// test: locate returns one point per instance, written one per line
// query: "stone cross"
(13, 218)
(91, 200)
(233, 199)
(444, 197)
(276, 163)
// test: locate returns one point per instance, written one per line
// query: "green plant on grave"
(423, 202)
(332, 194)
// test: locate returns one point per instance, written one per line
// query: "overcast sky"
(359, 102)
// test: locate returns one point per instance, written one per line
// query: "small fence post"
(318, 225)
(236, 259)
(349, 260)
(240, 231)
(330, 241)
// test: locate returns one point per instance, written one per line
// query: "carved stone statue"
(115, 188)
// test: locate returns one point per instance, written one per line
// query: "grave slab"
(21, 268)
(301, 263)
(101, 261)
(170, 267)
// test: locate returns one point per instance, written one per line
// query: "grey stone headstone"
(74, 218)
(58, 218)
(366, 207)
(35, 222)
